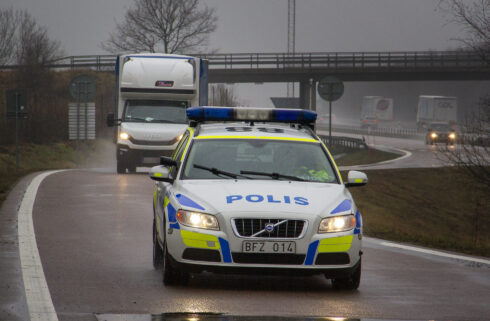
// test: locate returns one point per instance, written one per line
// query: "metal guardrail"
(330, 60)
(387, 132)
(346, 143)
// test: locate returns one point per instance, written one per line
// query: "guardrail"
(387, 132)
(343, 144)
(330, 60)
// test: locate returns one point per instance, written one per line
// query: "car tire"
(172, 276)
(157, 249)
(349, 283)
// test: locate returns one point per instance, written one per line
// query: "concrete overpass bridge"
(308, 68)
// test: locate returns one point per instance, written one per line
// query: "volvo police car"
(252, 190)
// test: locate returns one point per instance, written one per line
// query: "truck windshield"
(258, 159)
(155, 111)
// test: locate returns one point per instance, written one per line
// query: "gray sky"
(261, 26)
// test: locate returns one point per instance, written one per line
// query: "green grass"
(364, 156)
(441, 208)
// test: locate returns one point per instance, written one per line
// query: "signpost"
(16, 108)
(82, 88)
(331, 89)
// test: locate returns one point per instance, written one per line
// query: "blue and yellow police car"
(255, 190)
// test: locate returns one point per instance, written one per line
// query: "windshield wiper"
(273, 175)
(219, 172)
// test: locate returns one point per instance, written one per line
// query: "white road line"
(38, 297)
(436, 253)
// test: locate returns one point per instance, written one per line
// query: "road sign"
(82, 88)
(16, 103)
(330, 88)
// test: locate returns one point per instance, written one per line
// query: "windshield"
(155, 111)
(258, 159)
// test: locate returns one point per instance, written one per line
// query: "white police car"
(261, 193)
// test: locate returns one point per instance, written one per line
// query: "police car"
(252, 190)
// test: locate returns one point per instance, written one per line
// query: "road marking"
(436, 253)
(38, 298)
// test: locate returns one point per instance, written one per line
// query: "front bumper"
(197, 250)
(134, 155)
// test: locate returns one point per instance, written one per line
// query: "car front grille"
(261, 228)
(268, 258)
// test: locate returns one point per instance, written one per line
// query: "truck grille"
(261, 228)
(154, 142)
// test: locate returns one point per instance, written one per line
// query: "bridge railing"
(330, 60)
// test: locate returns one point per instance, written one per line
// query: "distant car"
(243, 192)
(440, 133)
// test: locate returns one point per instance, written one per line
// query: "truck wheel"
(121, 167)
(349, 283)
(157, 249)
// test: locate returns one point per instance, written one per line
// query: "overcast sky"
(261, 26)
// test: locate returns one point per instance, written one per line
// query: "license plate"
(268, 247)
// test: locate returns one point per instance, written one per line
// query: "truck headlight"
(452, 136)
(124, 135)
(199, 220)
(433, 135)
(337, 224)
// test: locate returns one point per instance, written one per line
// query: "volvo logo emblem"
(269, 227)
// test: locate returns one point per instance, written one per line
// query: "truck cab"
(153, 92)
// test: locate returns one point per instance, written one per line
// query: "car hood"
(263, 196)
(153, 131)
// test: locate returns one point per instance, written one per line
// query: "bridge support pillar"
(307, 95)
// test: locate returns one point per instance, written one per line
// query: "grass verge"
(365, 156)
(436, 207)
(33, 158)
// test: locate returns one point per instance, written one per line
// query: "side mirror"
(160, 173)
(355, 178)
(110, 119)
(168, 161)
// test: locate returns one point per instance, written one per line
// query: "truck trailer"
(436, 109)
(375, 109)
(153, 92)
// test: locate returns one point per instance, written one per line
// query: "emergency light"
(206, 113)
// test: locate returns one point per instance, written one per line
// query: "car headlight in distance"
(199, 220)
(452, 136)
(337, 224)
(124, 135)
(433, 135)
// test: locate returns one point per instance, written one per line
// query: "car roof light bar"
(206, 113)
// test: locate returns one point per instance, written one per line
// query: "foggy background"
(261, 26)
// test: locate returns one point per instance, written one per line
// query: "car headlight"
(124, 135)
(452, 136)
(337, 224)
(433, 135)
(199, 220)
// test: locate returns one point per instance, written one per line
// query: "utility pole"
(291, 39)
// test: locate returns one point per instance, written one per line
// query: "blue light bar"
(277, 115)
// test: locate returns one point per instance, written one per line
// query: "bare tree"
(472, 154)
(171, 26)
(33, 44)
(8, 28)
(221, 95)
(474, 18)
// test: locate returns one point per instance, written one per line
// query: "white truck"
(375, 109)
(436, 109)
(153, 92)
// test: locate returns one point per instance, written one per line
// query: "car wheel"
(157, 249)
(349, 283)
(172, 276)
